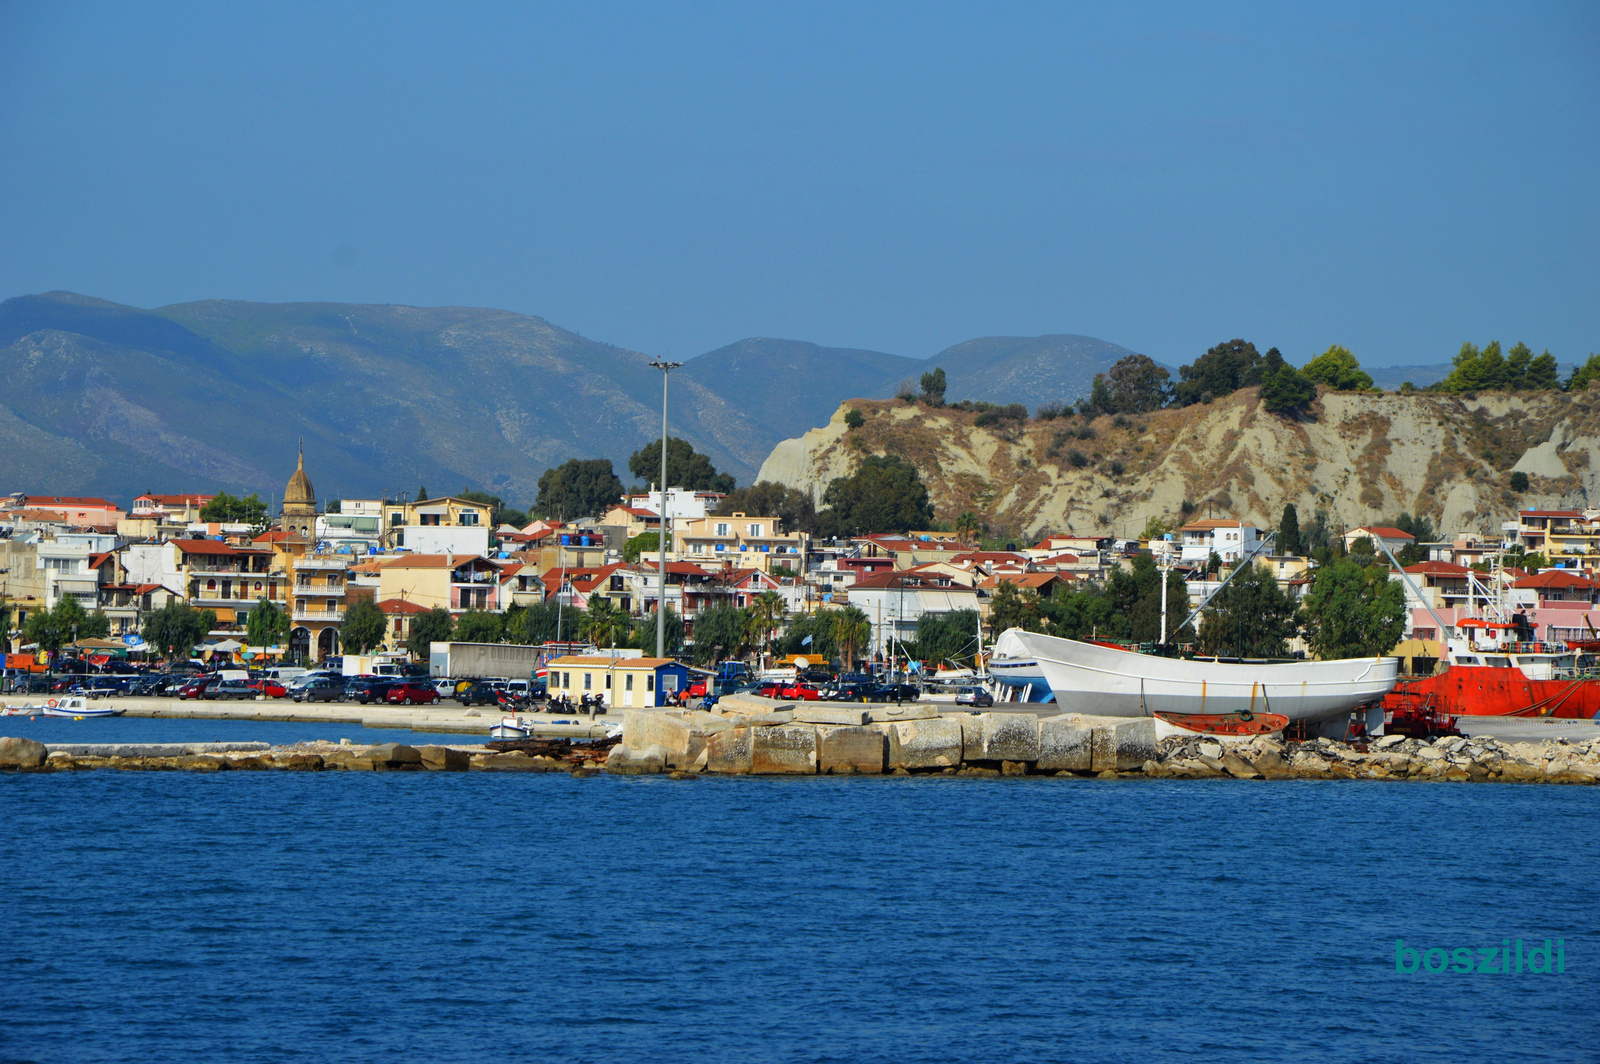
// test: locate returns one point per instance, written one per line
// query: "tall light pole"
(661, 538)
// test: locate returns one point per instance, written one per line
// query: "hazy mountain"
(109, 399)
(1389, 378)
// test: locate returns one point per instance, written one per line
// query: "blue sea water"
(258, 916)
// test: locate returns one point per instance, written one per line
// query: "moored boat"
(1012, 666)
(510, 728)
(1488, 670)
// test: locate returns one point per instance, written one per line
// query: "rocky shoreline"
(26, 755)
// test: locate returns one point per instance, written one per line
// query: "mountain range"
(113, 400)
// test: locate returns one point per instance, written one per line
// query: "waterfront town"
(310, 565)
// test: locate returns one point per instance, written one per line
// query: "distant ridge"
(115, 400)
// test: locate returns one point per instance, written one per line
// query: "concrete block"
(729, 751)
(625, 761)
(789, 749)
(298, 762)
(927, 743)
(444, 759)
(1123, 743)
(888, 711)
(395, 754)
(971, 736)
(22, 753)
(1065, 744)
(854, 749)
(1010, 737)
(856, 715)
(642, 729)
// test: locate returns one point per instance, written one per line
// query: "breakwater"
(560, 755)
(759, 737)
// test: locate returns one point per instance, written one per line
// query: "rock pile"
(1392, 757)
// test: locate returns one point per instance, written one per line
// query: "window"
(650, 682)
(566, 680)
(755, 530)
(608, 681)
(588, 681)
(211, 585)
(258, 585)
(397, 518)
(722, 528)
(627, 682)
(468, 517)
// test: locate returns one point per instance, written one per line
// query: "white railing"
(302, 613)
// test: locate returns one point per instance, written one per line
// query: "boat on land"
(1115, 682)
(1490, 670)
(511, 728)
(1013, 667)
(1242, 725)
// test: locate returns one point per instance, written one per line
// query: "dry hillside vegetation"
(1361, 457)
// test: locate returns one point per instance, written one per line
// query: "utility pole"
(666, 368)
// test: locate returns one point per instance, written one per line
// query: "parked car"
(319, 689)
(268, 687)
(895, 692)
(478, 694)
(413, 694)
(196, 688)
(229, 689)
(371, 691)
(800, 691)
(973, 696)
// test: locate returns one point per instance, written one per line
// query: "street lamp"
(661, 538)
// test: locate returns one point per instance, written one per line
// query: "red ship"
(1490, 670)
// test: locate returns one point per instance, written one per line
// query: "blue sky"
(1394, 178)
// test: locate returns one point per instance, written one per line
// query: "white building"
(1229, 540)
(894, 603)
(685, 504)
(64, 562)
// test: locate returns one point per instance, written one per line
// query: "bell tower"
(299, 518)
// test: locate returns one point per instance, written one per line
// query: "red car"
(196, 688)
(416, 694)
(696, 690)
(800, 692)
(270, 688)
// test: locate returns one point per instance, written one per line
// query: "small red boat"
(1242, 724)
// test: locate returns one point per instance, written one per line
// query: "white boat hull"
(1013, 666)
(510, 728)
(1091, 679)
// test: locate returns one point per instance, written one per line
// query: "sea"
(441, 917)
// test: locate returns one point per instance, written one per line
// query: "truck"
(391, 664)
(483, 661)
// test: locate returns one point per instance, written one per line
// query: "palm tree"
(603, 622)
(851, 628)
(767, 611)
(967, 527)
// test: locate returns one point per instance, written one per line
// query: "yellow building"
(454, 582)
(738, 540)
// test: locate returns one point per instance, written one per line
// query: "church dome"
(299, 489)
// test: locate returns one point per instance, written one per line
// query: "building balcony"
(314, 590)
(236, 569)
(322, 561)
(309, 613)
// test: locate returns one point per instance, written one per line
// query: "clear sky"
(1397, 178)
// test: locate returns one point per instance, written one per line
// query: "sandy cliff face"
(1362, 458)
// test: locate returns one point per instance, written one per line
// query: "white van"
(283, 674)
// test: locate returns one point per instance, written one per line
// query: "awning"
(228, 614)
(227, 646)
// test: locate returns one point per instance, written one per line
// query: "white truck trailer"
(482, 661)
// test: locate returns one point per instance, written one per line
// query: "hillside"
(1360, 457)
(115, 400)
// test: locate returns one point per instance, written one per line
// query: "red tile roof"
(1550, 513)
(393, 606)
(205, 546)
(1555, 579)
(1385, 532)
(1437, 569)
(85, 502)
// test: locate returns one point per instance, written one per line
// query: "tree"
(885, 494)
(1338, 369)
(1582, 375)
(1012, 607)
(810, 634)
(851, 630)
(1286, 391)
(604, 624)
(6, 613)
(1543, 373)
(1134, 385)
(642, 544)
(1222, 370)
(54, 628)
(1289, 530)
(227, 509)
(719, 633)
(1252, 618)
(364, 627)
(1127, 605)
(1519, 481)
(333, 506)
(578, 488)
(1475, 371)
(767, 498)
(266, 624)
(949, 637)
(933, 386)
(854, 419)
(479, 626)
(1422, 532)
(1354, 611)
(536, 624)
(967, 527)
(767, 610)
(686, 468)
(435, 626)
(644, 633)
(175, 628)
(422, 493)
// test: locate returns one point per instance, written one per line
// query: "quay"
(434, 718)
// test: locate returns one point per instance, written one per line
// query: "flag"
(806, 641)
